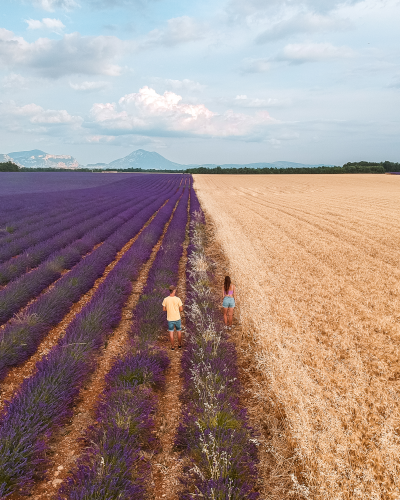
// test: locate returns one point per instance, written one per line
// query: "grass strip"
(214, 434)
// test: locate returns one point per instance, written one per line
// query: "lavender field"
(84, 361)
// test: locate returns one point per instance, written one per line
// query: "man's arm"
(180, 308)
(164, 308)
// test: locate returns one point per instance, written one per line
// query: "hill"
(39, 159)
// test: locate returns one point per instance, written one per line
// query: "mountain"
(146, 160)
(5, 158)
(137, 159)
(40, 159)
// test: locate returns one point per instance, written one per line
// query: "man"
(173, 305)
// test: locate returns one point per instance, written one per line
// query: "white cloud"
(309, 52)
(73, 54)
(149, 113)
(52, 5)
(36, 114)
(14, 81)
(32, 119)
(89, 86)
(178, 30)
(45, 24)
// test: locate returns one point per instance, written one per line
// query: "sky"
(221, 81)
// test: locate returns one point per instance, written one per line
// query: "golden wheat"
(316, 260)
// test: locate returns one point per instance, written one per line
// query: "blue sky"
(312, 81)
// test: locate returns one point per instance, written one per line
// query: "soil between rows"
(167, 465)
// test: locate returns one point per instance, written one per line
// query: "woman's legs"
(230, 316)
(226, 316)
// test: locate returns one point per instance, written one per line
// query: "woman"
(228, 302)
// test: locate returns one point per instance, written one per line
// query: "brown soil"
(17, 374)
(276, 462)
(167, 464)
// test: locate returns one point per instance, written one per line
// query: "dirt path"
(167, 465)
(17, 374)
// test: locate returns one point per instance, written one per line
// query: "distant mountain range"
(40, 159)
(141, 159)
(137, 159)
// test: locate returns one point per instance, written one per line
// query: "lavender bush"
(214, 434)
(44, 401)
(111, 468)
(20, 338)
(42, 243)
(20, 291)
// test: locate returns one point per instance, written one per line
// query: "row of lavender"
(44, 401)
(32, 250)
(22, 335)
(113, 465)
(35, 229)
(18, 210)
(84, 237)
(214, 434)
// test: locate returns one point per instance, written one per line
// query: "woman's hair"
(227, 283)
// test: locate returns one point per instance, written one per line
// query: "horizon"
(39, 152)
(228, 82)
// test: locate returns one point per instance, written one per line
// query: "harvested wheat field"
(316, 260)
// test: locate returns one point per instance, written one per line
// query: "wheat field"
(316, 260)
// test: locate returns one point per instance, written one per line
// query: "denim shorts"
(176, 324)
(228, 302)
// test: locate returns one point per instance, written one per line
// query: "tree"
(9, 167)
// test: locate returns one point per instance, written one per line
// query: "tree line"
(361, 167)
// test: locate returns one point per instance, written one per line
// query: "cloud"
(45, 24)
(89, 86)
(14, 82)
(255, 65)
(149, 113)
(302, 23)
(177, 31)
(37, 114)
(73, 54)
(310, 52)
(184, 84)
(34, 119)
(52, 5)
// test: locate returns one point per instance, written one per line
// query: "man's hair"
(172, 288)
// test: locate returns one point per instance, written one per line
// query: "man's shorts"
(176, 324)
(228, 302)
